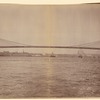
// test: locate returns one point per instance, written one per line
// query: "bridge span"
(60, 47)
(12, 44)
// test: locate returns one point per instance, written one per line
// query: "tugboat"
(52, 55)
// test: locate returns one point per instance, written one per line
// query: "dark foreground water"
(31, 77)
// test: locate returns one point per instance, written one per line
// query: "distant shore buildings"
(27, 54)
(80, 54)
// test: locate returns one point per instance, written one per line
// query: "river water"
(44, 77)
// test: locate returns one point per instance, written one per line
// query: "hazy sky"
(50, 25)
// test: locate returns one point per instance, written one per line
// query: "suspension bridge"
(11, 44)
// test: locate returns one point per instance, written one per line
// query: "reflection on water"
(28, 77)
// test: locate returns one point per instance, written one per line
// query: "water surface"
(36, 77)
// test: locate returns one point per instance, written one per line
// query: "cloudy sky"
(50, 25)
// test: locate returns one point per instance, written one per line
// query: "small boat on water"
(52, 55)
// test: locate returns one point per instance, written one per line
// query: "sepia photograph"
(49, 51)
